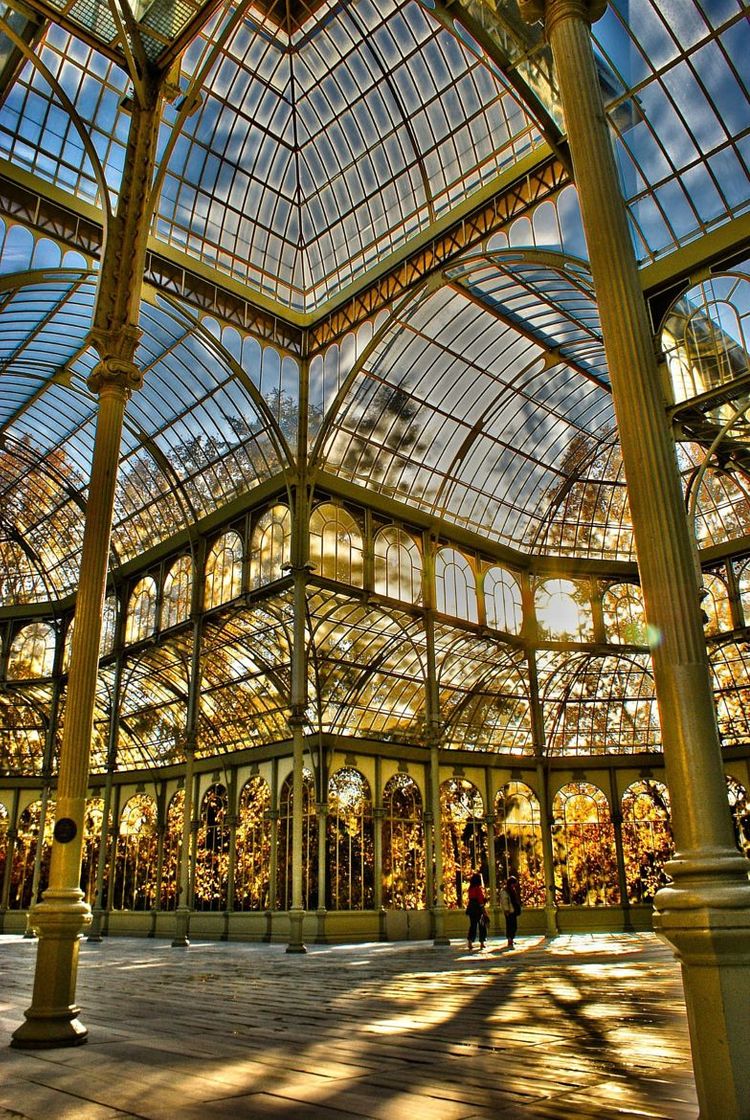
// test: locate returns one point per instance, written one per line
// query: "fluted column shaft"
(705, 914)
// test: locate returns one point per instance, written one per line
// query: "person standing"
(510, 902)
(476, 912)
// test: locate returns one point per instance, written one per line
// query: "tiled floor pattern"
(586, 1026)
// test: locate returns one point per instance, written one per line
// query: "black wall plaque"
(65, 829)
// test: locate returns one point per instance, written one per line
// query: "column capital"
(115, 373)
(550, 11)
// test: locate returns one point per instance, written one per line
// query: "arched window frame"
(567, 604)
(32, 652)
(463, 837)
(336, 548)
(224, 570)
(518, 840)
(455, 585)
(404, 875)
(646, 838)
(270, 546)
(503, 603)
(177, 596)
(212, 841)
(135, 886)
(252, 886)
(350, 841)
(584, 847)
(142, 613)
(624, 614)
(397, 565)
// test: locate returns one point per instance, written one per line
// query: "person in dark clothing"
(476, 912)
(510, 901)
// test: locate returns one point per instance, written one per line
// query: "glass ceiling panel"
(461, 413)
(368, 668)
(38, 135)
(304, 168)
(194, 435)
(674, 81)
(683, 122)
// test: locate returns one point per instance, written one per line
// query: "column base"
(95, 929)
(296, 945)
(440, 939)
(49, 1032)
(704, 915)
(52, 1020)
(182, 929)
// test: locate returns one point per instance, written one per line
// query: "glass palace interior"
(376, 412)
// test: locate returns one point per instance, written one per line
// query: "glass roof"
(325, 142)
(478, 401)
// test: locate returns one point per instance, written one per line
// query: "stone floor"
(579, 1027)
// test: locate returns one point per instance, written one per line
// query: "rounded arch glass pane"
(398, 565)
(455, 586)
(646, 838)
(136, 859)
(270, 545)
(404, 872)
(336, 544)
(350, 841)
(502, 600)
(706, 337)
(142, 608)
(464, 838)
(32, 652)
(624, 614)
(224, 570)
(518, 840)
(177, 596)
(563, 610)
(252, 884)
(716, 605)
(583, 842)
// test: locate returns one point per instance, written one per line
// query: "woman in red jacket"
(476, 912)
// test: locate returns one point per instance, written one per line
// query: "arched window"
(398, 565)
(336, 544)
(464, 838)
(403, 845)
(135, 884)
(170, 871)
(224, 570)
(743, 574)
(738, 805)
(563, 610)
(624, 614)
(646, 838)
(212, 851)
(32, 652)
(502, 601)
(178, 593)
(142, 606)
(92, 839)
(24, 854)
(584, 847)
(455, 587)
(252, 888)
(309, 844)
(109, 626)
(518, 840)
(716, 604)
(350, 842)
(270, 546)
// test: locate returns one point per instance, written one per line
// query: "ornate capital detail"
(551, 11)
(115, 373)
